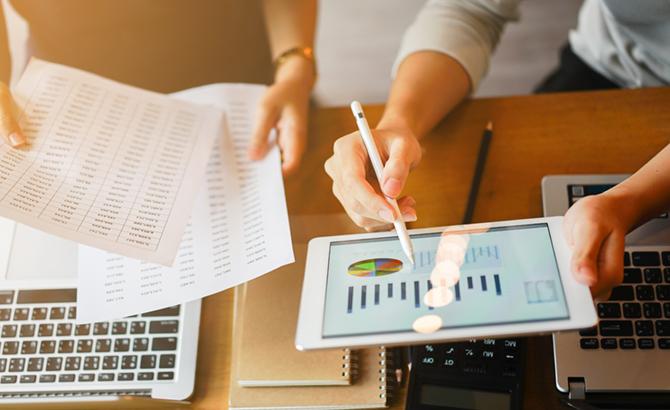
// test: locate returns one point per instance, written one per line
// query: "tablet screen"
(498, 275)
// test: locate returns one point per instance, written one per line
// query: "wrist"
(296, 69)
(391, 121)
(624, 201)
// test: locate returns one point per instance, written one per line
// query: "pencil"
(479, 171)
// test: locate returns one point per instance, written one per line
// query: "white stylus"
(371, 147)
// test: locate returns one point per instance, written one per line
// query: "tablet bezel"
(309, 333)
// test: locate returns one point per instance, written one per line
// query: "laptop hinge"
(576, 388)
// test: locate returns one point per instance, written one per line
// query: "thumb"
(588, 238)
(9, 128)
(396, 169)
(266, 119)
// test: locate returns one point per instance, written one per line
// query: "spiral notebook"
(267, 319)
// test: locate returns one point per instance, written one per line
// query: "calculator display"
(498, 275)
(457, 398)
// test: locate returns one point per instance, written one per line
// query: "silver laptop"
(44, 356)
(629, 350)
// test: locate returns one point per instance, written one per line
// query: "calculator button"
(145, 376)
(165, 375)
(28, 378)
(141, 344)
(126, 377)
(100, 328)
(10, 348)
(9, 330)
(64, 329)
(5, 314)
(164, 326)
(137, 328)
(35, 364)
(6, 297)
(103, 345)
(167, 361)
(66, 378)
(8, 379)
(428, 361)
(39, 314)
(21, 313)
(474, 368)
(122, 345)
(106, 377)
(164, 343)
(54, 364)
(119, 328)
(57, 313)
(488, 354)
(45, 330)
(110, 362)
(86, 377)
(47, 378)
(29, 347)
(82, 330)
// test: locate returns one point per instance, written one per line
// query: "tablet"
(471, 281)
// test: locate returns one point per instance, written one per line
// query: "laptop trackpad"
(37, 255)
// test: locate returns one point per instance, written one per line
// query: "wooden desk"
(595, 132)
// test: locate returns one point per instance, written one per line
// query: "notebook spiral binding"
(386, 373)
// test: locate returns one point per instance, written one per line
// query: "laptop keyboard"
(40, 344)
(637, 314)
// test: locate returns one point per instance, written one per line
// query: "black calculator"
(478, 374)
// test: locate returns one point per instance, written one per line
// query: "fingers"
(588, 237)
(9, 128)
(266, 119)
(610, 265)
(397, 168)
(292, 139)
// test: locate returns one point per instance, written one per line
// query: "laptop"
(44, 356)
(629, 350)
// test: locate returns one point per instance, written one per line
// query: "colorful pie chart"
(374, 267)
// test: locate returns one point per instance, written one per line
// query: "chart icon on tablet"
(374, 267)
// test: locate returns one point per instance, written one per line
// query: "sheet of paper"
(238, 231)
(109, 165)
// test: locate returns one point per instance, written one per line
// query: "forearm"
(646, 193)
(427, 86)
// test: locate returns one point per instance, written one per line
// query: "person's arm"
(10, 132)
(442, 59)
(596, 226)
(290, 24)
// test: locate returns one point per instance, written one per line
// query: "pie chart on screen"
(374, 267)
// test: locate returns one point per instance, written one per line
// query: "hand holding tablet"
(471, 281)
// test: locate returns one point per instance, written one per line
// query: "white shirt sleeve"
(466, 30)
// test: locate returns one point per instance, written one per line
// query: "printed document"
(108, 165)
(238, 230)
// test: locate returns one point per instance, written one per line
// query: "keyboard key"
(622, 293)
(21, 313)
(27, 331)
(66, 378)
(589, 343)
(6, 297)
(666, 275)
(122, 345)
(171, 311)
(632, 310)
(84, 345)
(148, 361)
(119, 328)
(644, 328)
(64, 329)
(82, 330)
(9, 330)
(3, 364)
(615, 328)
(167, 361)
(632, 275)
(16, 365)
(110, 362)
(39, 313)
(66, 346)
(164, 343)
(5, 314)
(126, 377)
(609, 310)
(103, 345)
(164, 326)
(29, 347)
(137, 328)
(129, 362)
(608, 343)
(645, 343)
(666, 309)
(644, 292)
(10, 348)
(45, 330)
(72, 363)
(57, 313)
(145, 376)
(35, 364)
(165, 375)
(47, 346)
(106, 377)
(666, 258)
(54, 364)
(100, 328)
(652, 310)
(663, 328)
(653, 275)
(663, 292)
(91, 362)
(86, 377)
(626, 259)
(141, 344)
(626, 343)
(47, 378)
(646, 259)
(28, 378)
(8, 379)
(72, 312)
(664, 343)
